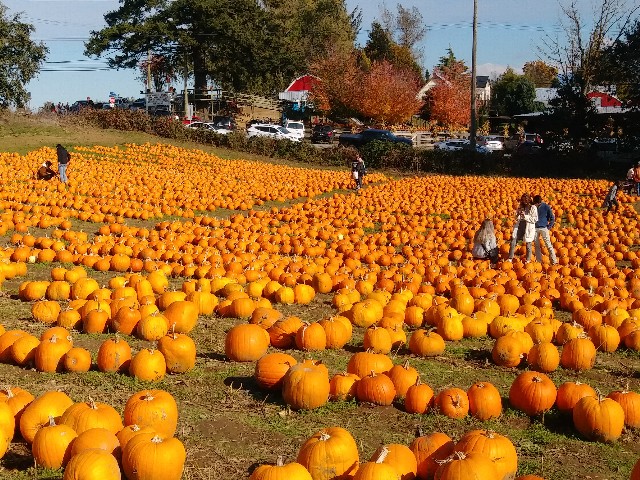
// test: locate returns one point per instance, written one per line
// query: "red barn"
(298, 90)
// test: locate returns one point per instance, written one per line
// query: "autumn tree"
(389, 94)
(381, 46)
(449, 102)
(339, 88)
(541, 74)
(20, 59)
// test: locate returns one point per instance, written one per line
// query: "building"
(298, 90)
(483, 87)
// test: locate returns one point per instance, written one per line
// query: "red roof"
(303, 83)
(606, 100)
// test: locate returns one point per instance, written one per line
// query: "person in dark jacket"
(546, 221)
(63, 162)
(611, 201)
(45, 172)
(358, 171)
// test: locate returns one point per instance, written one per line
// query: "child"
(45, 172)
(485, 245)
(610, 200)
(359, 171)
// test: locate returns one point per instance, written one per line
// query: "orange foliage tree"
(449, 102)
(389, 93)
(349, 86)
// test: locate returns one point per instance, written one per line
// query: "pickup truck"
(359, 139)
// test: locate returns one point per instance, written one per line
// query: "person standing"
(485, 244)
(546, 221)
(358, 171)
(636, 177)
(63, 162)
(525, 226)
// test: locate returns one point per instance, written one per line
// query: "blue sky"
(509, 34)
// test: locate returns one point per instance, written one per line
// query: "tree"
(513, 94)
(406, 26)
(579, 55)
(449, 102)
(389, 94)
(622, 66)
(20, 59)
(541, 74)
(339, 89)
(380, 46)
(241, 45)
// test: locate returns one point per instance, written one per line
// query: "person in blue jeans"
(63, 162)
(546, 221)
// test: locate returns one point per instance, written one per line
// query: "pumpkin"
(569, 393)
(148, 456)
(533, 393)
(114, 355)
(97, 438)
(453, 402)
(49, 354)
(246, 343)
(343, 386)
(376, 388)
(7, 421)
(77, 360)
(430, 450)
(543, 357)
(400, 457)
(94, 464)
(311, 337)
(425, 343)
(280, 471)
(630, 403)
(85, 415)
(179, 352)
(271, 369)
(337, 332)
(23, 350)
(578, 354)
(305, 386)
(17, 399)
(37, 413)
(403, 377)
(329, 454)
(466, 466)
(419, 398)
(152, 327)
(182, 316)
(496, 447)
(363, 363)
(377, 469)
(507, 351)
(599, 419)
(148, 365)
(130, 431)
(51, 447)
(152, 408)
(485, 402)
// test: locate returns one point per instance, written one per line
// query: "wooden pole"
(474, 111)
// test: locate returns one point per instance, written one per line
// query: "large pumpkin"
(95, 464)
(281, 471)
(152, 408)
(305, 386)
(330, 454)
(271, 369)
(51, 447)
(179, 352)
(597, 418)
(37, 413)
(496, 447)
(430, 450)
(85, 415)
(246, 343)
(533, 393)
(148, 456)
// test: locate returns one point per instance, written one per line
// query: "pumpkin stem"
(419, 431)
(92, 404)
(156, 439)
(406, 365)
(52, 422)
(384, 451)
(324, 437)
(148, 397)
(280, 461)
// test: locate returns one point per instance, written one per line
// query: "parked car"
(80, 104)
(296, 127)
(512, 142)
(272, 131)
(451, 145)
(492, 142)
(224, 122)
(322, 133)
(458, 145)
(359, 139)
(199, 126)
(139, 104)
(528, 147)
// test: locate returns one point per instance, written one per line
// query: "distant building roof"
(482, 81)
(298, 89)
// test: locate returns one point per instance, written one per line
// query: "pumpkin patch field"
(170, 313)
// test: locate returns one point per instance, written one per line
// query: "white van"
(296, 127)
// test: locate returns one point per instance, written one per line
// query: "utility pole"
(474, 127)
(186, 94)
(146, 96)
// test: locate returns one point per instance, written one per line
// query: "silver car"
(272, 131)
